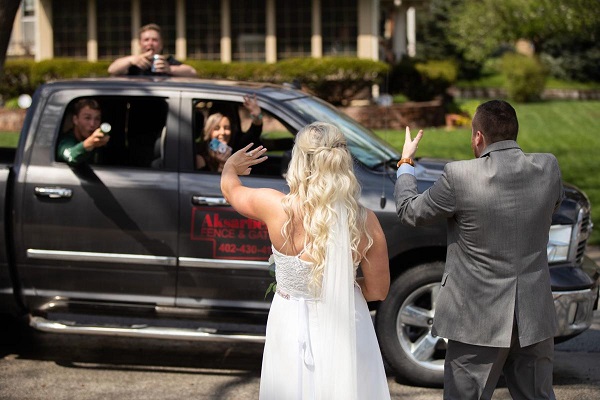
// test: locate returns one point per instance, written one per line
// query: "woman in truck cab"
(80, 142)
(220, 138)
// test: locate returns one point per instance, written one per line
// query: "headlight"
(558, 242)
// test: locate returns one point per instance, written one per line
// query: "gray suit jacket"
(499, 210)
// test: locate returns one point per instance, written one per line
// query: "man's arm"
(74, 152)
(120, 66)
(71, 151)
(414, 209)
(183, 70)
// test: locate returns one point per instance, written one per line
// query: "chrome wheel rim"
(413, 327)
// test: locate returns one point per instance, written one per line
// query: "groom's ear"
(480, 139)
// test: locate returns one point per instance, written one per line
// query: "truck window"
(137, 131)
(272, 134)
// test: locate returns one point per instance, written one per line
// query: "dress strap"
(279, 252)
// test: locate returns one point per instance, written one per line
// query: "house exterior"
(221, 30)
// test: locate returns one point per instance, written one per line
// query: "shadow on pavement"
(121, 353)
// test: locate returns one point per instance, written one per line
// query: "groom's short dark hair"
(497, 120)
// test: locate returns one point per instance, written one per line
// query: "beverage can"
(154, 58)
(105, 127)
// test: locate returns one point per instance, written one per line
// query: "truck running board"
(143, 331)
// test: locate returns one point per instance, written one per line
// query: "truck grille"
(585, 229)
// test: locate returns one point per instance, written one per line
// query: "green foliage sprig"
(273, 285)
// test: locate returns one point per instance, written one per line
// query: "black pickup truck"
(139, 243)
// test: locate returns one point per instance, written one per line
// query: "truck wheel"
(404, 322)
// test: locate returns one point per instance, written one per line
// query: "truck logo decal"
(229, 235)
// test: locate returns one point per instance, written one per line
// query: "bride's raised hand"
(243, 160)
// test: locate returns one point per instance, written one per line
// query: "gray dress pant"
(472, 372)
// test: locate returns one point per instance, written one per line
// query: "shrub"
(437, 76)
(254, 71)
(24, 76)
(335, 79)
(574, 65)
(573, 58)
(422, 81)
(525, 77)
(16, 79)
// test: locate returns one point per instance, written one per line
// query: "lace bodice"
(292, 275)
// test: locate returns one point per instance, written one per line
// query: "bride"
(320, 341)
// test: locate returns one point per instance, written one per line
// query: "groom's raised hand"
(411, 145)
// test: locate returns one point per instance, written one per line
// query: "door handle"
(53, 192)
(209, 201)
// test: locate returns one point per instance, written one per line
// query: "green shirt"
(71, 150)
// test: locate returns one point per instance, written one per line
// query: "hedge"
(335, 79)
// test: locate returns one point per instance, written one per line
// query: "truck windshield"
(364, 145)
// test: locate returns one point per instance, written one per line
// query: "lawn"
(568, 129)
(9, 139)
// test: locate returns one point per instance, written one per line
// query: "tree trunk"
(8, 11)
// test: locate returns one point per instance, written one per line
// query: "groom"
(495, 304)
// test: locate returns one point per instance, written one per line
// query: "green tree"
(480, 27)
(433, 42)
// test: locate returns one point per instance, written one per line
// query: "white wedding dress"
(321, 348)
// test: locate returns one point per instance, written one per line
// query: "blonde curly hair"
(320, 174)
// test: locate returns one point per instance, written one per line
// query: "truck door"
(224, 256)
(104, 230)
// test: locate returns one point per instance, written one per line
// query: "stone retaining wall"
(398, 116)
(11, 120)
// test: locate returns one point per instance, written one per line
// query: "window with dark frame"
(203, 29)
(138, 126)
(248, 29)
(294, 29)
(339, 20)
(114, 28)
(69, 22)
(28, 8)
(275, 135)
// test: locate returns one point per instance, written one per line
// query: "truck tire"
(404, 321)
